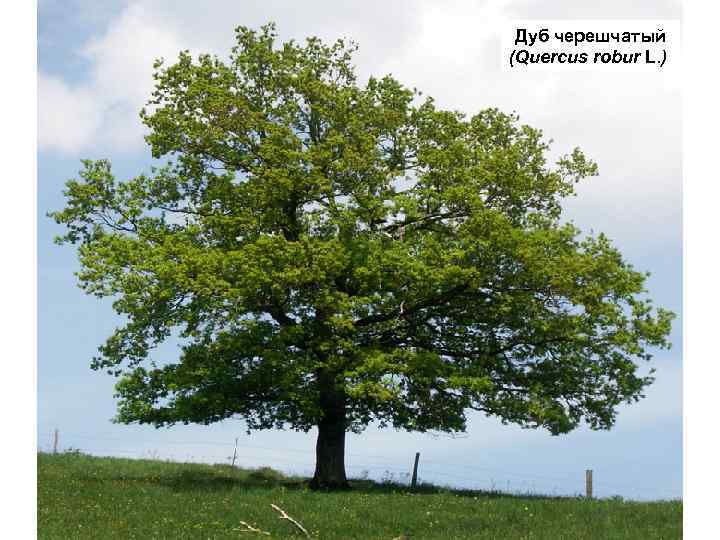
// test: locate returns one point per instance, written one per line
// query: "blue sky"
(94, 74)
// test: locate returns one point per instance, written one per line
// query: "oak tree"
(331, 253)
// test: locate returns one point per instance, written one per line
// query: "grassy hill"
(81, 496)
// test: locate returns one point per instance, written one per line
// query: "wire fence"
(373, 466)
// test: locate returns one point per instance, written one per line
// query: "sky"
(95, 73)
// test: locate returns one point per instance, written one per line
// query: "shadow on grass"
(187, 481)
(227, 478)
(223, 477)
(370, 486)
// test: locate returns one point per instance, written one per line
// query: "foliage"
(320, 243)
(80, 496)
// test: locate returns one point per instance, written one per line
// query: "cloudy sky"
(94, 74)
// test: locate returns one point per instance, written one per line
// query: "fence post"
(415, 466)
(588, 484)
(235, 452)
(55, 441)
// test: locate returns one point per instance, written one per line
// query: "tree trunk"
(330, 457)
(330, 448)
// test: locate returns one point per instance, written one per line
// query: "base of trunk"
(325, 485)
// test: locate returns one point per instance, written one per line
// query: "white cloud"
(67, 117)
(123, 56)
(103, 110)
(608, 9)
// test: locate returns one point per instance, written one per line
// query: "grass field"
(81, 496)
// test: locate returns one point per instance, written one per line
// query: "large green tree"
(332, 253)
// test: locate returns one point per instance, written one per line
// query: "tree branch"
(406, 311)
(284, 515)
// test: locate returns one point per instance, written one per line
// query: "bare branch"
(250, 528)
(429, 217)
(284, 515)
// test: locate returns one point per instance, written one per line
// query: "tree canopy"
(333, 253)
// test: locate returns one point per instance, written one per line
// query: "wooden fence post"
(234, 452)
(588, 484)
(55, 441)
(415, 466)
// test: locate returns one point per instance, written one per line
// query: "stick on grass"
(250, 528)
(284, 515)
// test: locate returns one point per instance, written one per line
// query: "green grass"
(81, 496)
